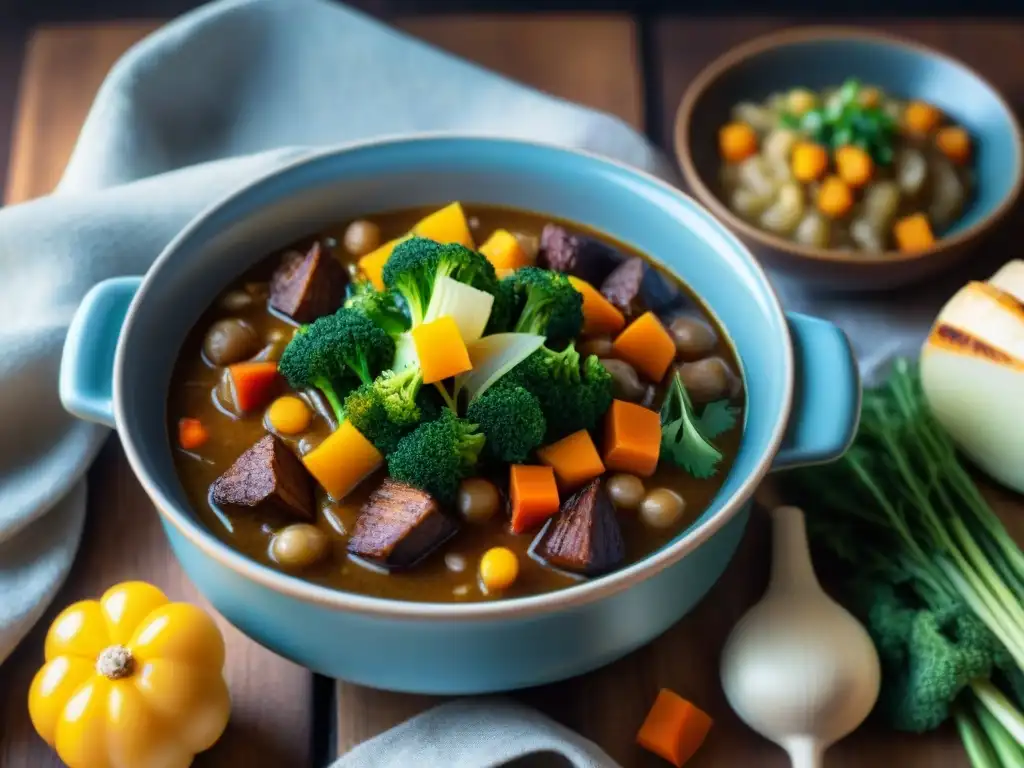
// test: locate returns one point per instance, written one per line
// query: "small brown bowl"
(816, 57)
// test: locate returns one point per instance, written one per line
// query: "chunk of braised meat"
(578, 255)
(399, 526)
(622, 286)
(307, 286)
(267, 477)
(585, 537)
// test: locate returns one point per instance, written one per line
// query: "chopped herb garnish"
(844, 121)
(683, 439)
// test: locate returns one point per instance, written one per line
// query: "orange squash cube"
(574, 459)
(342, 461)
(503, 250)
(447, 225)
(533, 496)
(632, 438)
(647, 346)
(372, 264)
(599, 315)
(441, 350)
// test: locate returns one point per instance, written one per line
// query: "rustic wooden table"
(282, 715)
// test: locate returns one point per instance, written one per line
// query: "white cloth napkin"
(213, 100)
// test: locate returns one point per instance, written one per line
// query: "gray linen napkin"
(220, 97)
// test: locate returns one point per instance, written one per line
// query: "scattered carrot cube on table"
(574, 459)
(503, 250)
(647, 346)
(632, 438)
(599, 315)
(674, 728)
(442, 352)
(447, 225)
(342, 461)
(533, 495)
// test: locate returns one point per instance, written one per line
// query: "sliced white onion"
(469, 307)
(493, 356)
(972, 373)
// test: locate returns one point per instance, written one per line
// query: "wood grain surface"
(590, 59)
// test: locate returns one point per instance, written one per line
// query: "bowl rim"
(824, 33)
(309, 592)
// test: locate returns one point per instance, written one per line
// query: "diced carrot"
(503, 250)
(342, 461)
(533, 494)
(835, 198)
(191, 433)
(574, 459)
(955, 143)
(647, 346)
(441, 350)
(372, 264)
(447, 225)
(809, 161)
(736, 142)
(913, 233)
(854, 165)
(599, 314)
(674, 728)
(632, 438)
(253, 383)
(920, 117)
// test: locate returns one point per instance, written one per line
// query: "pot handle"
(87, 363)
(826, 394)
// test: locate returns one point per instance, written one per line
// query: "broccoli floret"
(437, 455)
(391, 407)
(570, 399)
(502, 310)
(512, 421)
(335, 354)
(416, 264)
(545, 303)
(383, 307)
(365, 409)
(928, 656)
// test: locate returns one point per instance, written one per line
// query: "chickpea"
(236, 301)
(230, 341)
(478, 500)
(625, 491)
(599, 345)
(499, 569)
(626, 383)
(693, 338)
(299, 545)
(662, 508)
(708, 379)
(361, 237)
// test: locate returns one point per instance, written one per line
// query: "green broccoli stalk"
(391, 407)
(512, 421)
(335, 354)
(416, 264)
(437, 455)
(569, 398)
(545, 303)
(383, 307)
(902, 509)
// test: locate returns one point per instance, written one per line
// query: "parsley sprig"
(686, 438)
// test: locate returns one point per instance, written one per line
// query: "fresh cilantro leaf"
(681, 440)
(717, 419)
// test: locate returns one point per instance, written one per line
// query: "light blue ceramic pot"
(801, 380)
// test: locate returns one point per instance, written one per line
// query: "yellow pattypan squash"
(131, 681)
